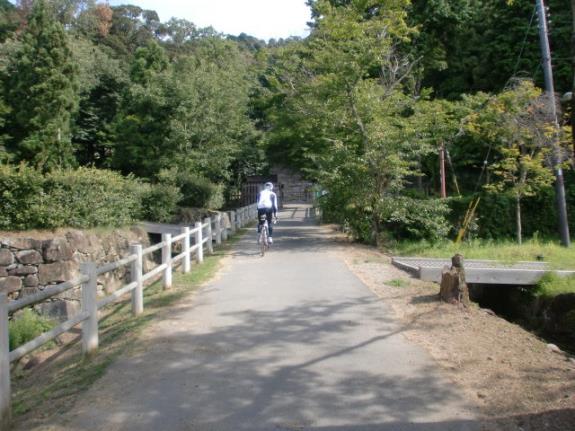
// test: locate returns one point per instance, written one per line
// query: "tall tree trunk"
(518, 219)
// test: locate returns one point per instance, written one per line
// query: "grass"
(26, 326)
(552, 285)
(52, 387)
(397, 282)
(556, 256)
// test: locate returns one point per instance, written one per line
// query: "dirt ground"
(518, 380)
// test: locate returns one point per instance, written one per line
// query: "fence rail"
(203, 235)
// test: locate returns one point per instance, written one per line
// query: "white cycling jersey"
(267, 200)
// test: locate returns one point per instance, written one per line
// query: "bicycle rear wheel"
(263, 241)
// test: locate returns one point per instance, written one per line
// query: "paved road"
(293, 341)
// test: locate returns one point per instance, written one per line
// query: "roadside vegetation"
(62, 374)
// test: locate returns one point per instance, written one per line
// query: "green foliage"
(397, 282)
(199, 192)
(552, 285)
(467, 46)
(160, 202)
(518, 125)
(26, 326)
(82, 198)
(43, 70)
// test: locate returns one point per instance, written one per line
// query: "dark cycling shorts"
(269, 214)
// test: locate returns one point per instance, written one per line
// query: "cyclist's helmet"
(269, 186)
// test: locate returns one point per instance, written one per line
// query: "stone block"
(26, 244)
(28, 291)
(59, 309)
(10, 284)
(3, 271)
(31, 281)
(23, 270)
(57, 249)
(78, 241)
(57, 272)
(6, 257)
(29, 257)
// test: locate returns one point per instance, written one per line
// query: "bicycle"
(263, 238)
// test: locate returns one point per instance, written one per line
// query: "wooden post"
(233, 222)
(218, 227)
(5, 385)
(90, 306)
(209, 244)
(224, 227)
(442, 171)
(200, 238)
(167, 259)
(187, 265)
(136, 273)
(453, 288)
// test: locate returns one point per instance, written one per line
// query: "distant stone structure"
(289, 186)
(292, 187)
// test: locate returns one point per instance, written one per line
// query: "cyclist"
(268, 205)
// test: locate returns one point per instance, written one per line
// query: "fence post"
(224, 226)
(208, 221)
(167, 259)
(199, 241)
(136, 273)
(187, 265)
(218, 229)
(233, 222)
(90, 306)
(5, 385)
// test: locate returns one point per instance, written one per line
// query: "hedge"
(81, 198)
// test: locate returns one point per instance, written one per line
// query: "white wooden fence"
(204, 234)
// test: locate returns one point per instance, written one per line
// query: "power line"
(525, 40)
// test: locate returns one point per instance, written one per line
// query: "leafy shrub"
(199, 192)
(409, 218)
(160, 202)
(82, 198)
(552, 285)
(398, 217)
(88, 197)
(27, 326)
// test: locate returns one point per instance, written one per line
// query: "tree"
(338, 109)
(517, 122)
(102, 81)
(44, 70)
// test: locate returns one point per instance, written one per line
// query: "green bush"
(199, 192)
(88, 197)
(82, 198)
(21, 189)
(552, 285)
(27, 326)
(397, 217)
(160, 202)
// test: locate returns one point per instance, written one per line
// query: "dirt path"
(517, 380)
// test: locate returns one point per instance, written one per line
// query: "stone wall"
(29, 262)
(293, 188)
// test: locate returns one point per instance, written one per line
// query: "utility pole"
(549, 89)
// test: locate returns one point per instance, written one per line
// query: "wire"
(525, 40)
